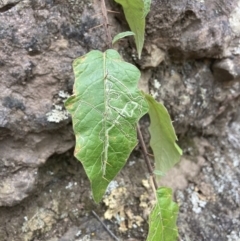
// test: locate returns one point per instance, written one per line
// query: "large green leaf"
(163, 138)
(162, 221)
(105, 107)
(135, 12)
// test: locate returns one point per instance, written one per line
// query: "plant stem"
(106, 228)
(106, 23)
(145, 154)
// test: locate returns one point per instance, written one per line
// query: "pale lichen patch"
(197, 202)
(63, 94)
(57, 114)
(233, 236)
(154, 94)
(156, 84)
(235, 20)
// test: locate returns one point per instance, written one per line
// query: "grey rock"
(7, 4)
(19, 189)
(38, 41)
(227, 69)
(190, 29)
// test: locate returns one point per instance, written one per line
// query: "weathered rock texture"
(195, 29)
(198, 81)
(191, 61)
(38, 41)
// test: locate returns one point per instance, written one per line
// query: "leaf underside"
(135, 12)
(122, 35)
(163, 138)
(105, 107)
(162, 220)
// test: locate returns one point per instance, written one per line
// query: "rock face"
(190, 62)
(195, 29)
(38, 41)
(198, 81)
(198, 76)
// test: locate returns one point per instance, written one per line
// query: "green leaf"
(122, 35)
(105, 107)
(135, 12)
(163, 138)
(147, 5)
(158, 173)
(163, 218)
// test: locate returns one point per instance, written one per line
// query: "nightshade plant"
(106, 106)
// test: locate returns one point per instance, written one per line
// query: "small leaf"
(147, 5)
(163, 138)
(122, 35)
(162, 220)
(135, 12)
(105, 108)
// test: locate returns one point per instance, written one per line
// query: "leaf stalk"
(106, 24)
(146, 158)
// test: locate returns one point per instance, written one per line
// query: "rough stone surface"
(227, 69)
(198, 81)
(190, 63)
(38, 41)
(195, 29)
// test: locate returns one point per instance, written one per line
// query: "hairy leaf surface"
(122, 35)
(163, 138)
(162, 220)
(105, 107)
(135, 12)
